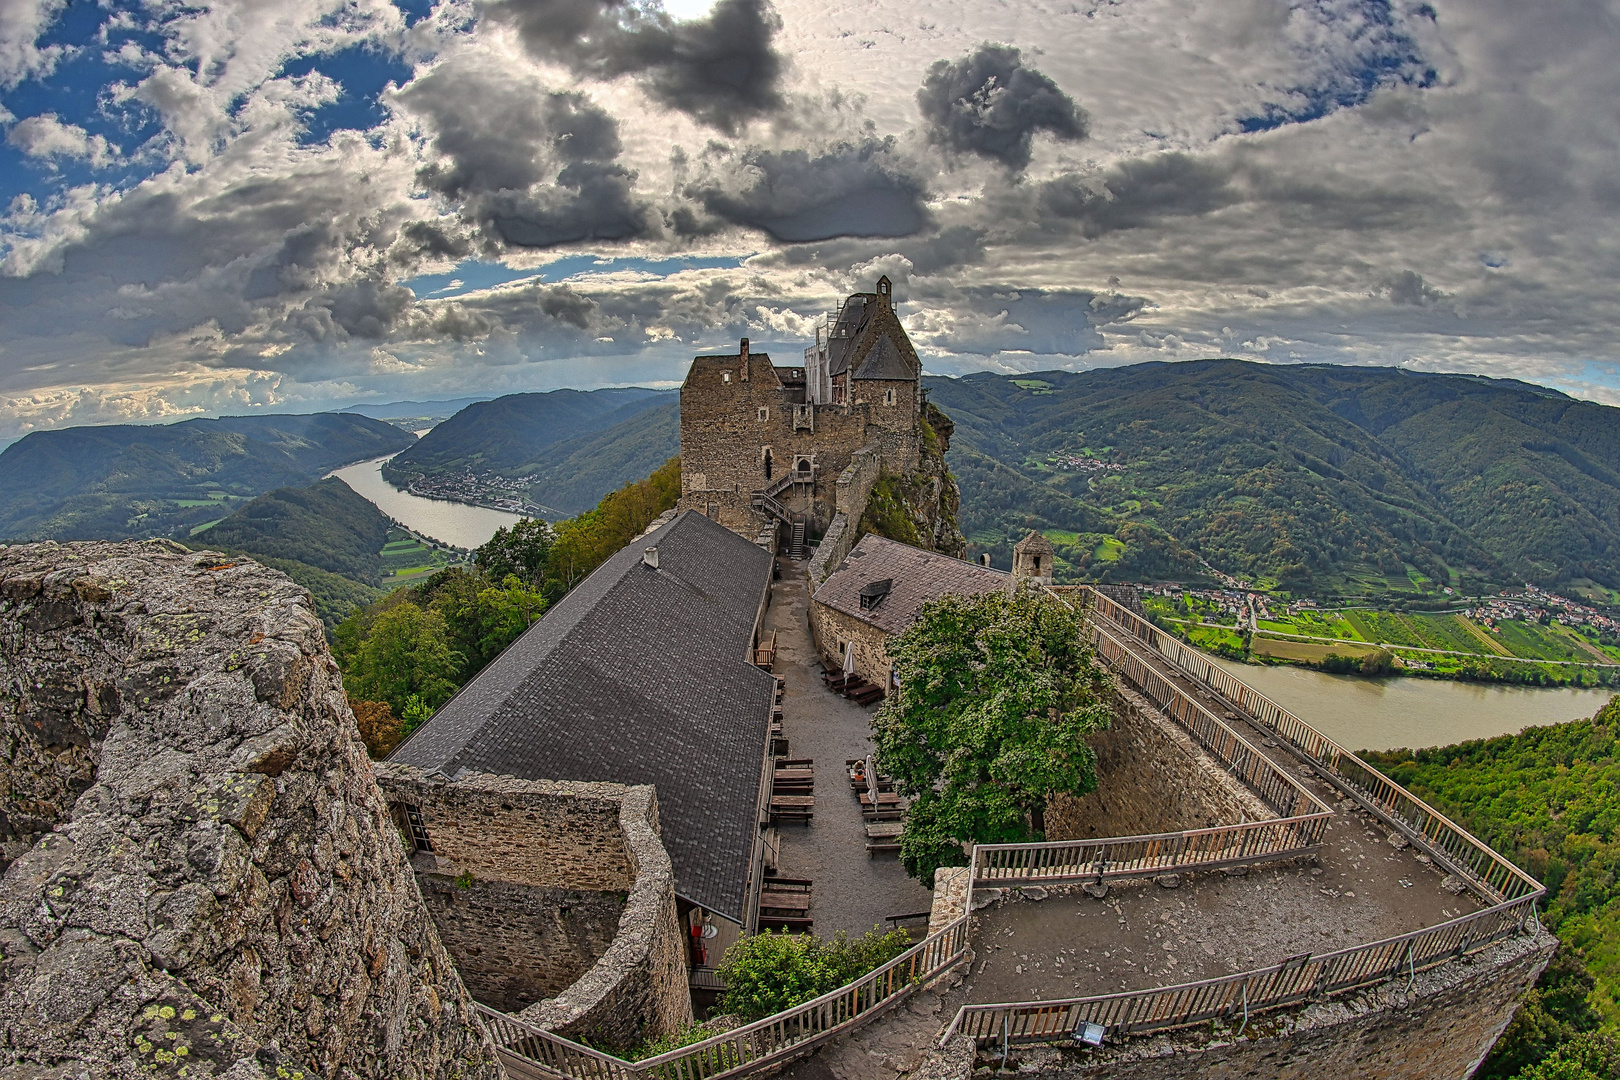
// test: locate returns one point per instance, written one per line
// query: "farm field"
(404, 556)
(1443, 644)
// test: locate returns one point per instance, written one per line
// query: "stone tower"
(1032, 559)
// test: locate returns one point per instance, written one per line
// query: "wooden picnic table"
(883, 799)
(883, 830)
(792, 802)
(789, 903)
(795, 774)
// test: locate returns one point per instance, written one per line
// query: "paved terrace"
(1366, 884)
(852, 891)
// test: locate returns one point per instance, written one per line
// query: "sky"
(220, 207)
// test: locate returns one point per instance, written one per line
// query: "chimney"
(742, 355)
(649, 557)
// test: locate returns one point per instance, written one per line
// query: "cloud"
(530, 166)
(45, 136)
(795, 196)
(22, 23)
(1138, 192)
(722, 70)
(1407, 288)
(988, 103)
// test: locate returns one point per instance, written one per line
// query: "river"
(448, 522)
(1382, 714)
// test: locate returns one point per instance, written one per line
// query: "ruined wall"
(1184, 788)
(1439, 1030)
(515, 945)
(556, 898)
(227, 893)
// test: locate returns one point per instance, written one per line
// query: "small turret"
(1032, 559)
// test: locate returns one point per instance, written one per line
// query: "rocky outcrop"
(920, 508)
(205, 880)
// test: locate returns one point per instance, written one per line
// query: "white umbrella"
(849, 658)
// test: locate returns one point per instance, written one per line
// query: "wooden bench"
(787, 924)
(883, 837)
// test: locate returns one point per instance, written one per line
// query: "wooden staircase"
(796, 548)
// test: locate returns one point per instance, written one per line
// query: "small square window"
(764, 413)
(725, 376)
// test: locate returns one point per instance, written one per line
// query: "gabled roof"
(916, 577)
(637, 676)
(845, 333)
(885, 362)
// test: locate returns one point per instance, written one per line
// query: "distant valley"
(108, 483)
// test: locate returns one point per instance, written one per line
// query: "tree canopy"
(997, 696)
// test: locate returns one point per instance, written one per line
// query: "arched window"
(767, 463)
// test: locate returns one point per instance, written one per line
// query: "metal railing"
(752, 1046)
(1060, 861)
(1295, 981)
(1489, 872)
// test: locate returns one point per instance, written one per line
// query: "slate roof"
(918, 576)
(885, 362)
(845, 332)
(638, 676)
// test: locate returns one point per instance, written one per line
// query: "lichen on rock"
(203, 877)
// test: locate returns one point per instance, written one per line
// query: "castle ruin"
(802, 445)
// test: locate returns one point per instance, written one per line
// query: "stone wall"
(1440, 1029)
(829, 626)
(556, 898)
(1184, 789)
(227, 893)
(515, 945)
(854, 484)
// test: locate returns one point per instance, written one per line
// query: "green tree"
(406, 660)
(997, 696)
(1557, 1009)
(521, 551)
(1592, 1056)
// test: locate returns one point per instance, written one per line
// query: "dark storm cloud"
(1138, 192)
(988, 103)
(532, 167)
(1407, 287)
(848, 190)
(721, 70)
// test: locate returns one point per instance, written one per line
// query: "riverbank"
(456, 524)
(1574, 661)
(1387, 713)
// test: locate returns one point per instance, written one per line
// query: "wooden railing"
(751, 1047)
(1295, 981)
(1491, 874)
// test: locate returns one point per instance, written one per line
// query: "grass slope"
(105, 483)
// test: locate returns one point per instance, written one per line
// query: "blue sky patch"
(363, 71)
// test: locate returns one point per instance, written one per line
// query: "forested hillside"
(1310, 478)
(1548, 798)
(578, 472)
(105, 483)
(510, 435)
(325, 525)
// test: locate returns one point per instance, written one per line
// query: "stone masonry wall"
(1184, 788)
(515, 945)
(829, 626)
(854, 484)
(1440, 1029)
(556, 898)
(227, 893)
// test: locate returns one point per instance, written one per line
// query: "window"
(419, 833)
(767, 456)
(888, 397)
(725, 376)
(764, 414)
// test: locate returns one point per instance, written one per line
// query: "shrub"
(769, 972)
(379, 728)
